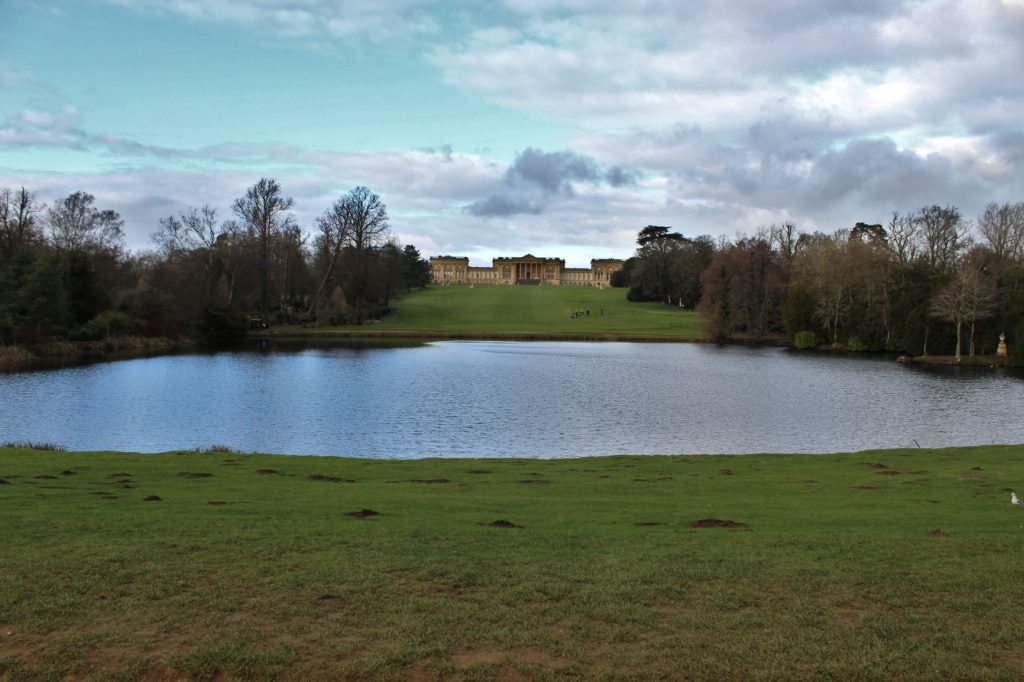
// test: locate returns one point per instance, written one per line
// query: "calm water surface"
(499, 399)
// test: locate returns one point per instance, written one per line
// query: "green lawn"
(516, 312)
(875, 565)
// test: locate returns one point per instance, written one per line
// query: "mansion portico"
(524, 270)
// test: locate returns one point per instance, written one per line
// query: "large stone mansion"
(527, 270)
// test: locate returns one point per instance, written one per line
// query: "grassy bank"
(523, 312)
(886, 564)
(69, 352)
(965, 361)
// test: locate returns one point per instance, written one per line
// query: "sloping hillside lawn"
(525, 312)
(874, 565)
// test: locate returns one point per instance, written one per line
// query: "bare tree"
(335, 226)
(170, 237)
(368, 229)
(75, 225)
(201, 225)
(369, 219)
(18, 226)
(981, 300)
(195, 231)
(904, 241)
(289, 259)
(1002, 228)
(943, 233)
(966, 299)
(229, 245)
(783, 237)
(831, 268)
(264, 212)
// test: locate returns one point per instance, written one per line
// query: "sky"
(557, 127)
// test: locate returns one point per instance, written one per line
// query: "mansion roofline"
(525, 270)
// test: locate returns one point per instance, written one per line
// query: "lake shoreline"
(60, 354)
(367, 332)
(992, 361)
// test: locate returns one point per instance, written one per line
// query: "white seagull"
(1016, 501)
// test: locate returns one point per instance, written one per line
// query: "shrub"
(29, 445)
(855, 345)
(216, 448)
(106, 325)
(805, 340)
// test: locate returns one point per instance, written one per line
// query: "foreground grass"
(517, 312)
(885, 564)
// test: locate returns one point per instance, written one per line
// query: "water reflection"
(511, 399)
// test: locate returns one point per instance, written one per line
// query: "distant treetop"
(653, 233)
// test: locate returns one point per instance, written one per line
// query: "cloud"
(874, 67)
(537, 178)
(503, 205)
(553, 172)
(377, 21)
(35, 128)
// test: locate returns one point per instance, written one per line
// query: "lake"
(512, 399)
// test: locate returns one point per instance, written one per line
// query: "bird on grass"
(1016, 501)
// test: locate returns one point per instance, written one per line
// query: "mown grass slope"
(886, 564)
(527, 311)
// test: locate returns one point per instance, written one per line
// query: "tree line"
(925, 282)
(65, 272)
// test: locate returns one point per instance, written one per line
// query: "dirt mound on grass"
(216, 503)
(716, 523)
(267, 471)
(502, 523)
(479, 471)
(535, 481)
(331, 479)
(363, 513)
(4, 481)
(153, 498)
(429, 480)
(937, 531)
(194, 474)
(46, 477)
(68, 472)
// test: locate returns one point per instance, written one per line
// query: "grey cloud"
(618, 176)
(873, 177)
(551, 171)
(537, 178)
(502, 205)
(790, 137)
(789, 168)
